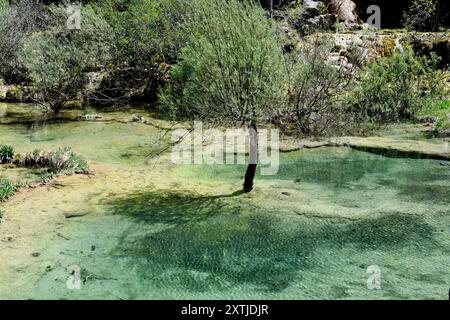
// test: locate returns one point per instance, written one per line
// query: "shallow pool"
(184, 232)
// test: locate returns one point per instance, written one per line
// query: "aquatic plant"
(6, 154)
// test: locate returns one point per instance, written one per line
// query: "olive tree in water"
(230, 72)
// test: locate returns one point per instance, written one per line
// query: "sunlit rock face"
(391, 11)
(344, 9)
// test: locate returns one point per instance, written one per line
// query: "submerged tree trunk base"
(249, 177)
(253, 159)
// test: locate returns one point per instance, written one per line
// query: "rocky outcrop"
(359, 47)
(323, 21)
(344, 9)
(324, 15)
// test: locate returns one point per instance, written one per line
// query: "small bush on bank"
(7, 189)
(422, 15)
(316, 90)
(440, 113)
(135, 70)
(6, 154)
(396, 88)
(17, 22)
(61, 161)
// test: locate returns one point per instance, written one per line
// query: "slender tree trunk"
(253, 158)
(270, 9)
(56, 107)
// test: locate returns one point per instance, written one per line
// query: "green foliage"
(130, 21)
(172, 28)
(1, 215)
(316, 90)
(17, 22)
(422, 15)
(58, 58)
(64, 160)
(6, 154)
(397, 87)
(7, 189)
(138, 51)
(232, 68)
(440, 111)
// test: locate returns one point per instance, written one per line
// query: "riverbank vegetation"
(63, 160)
(361, 165)
(60, 162)
(223, 62)
(188, 55)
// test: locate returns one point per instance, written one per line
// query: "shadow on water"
(399, 154)
(338, 171)
(426, 193)
(216, 242)
(418, 180)
(171, 207)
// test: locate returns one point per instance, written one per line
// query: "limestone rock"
(344, 9)
(323, 22)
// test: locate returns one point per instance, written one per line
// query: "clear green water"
(112, 142)
(185, 234)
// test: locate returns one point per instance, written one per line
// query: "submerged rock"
(89, 117)
(69, 215)
(135, 118)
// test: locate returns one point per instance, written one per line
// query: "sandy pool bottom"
(164, 232)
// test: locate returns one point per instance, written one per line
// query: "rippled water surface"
(181, 232)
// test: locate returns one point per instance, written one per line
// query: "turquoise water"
(309, 232)
(180, 244)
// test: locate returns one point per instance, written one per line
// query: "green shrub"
(7, 189)
(17, 22)
(136, 68)
(6, 154)
(58, 58)
(132, 32)
(440, 111)
(64, 160)
(396, 88)
(422, 15)
(1, 215)
(232, 68)
(172, 26)
(316, 90)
